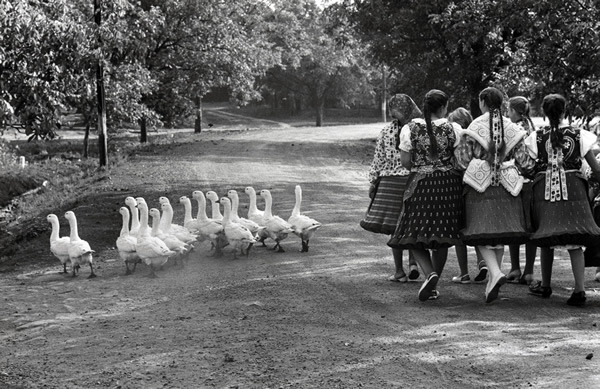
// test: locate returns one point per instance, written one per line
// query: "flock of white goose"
(155, 244)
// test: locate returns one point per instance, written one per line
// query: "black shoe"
(538, 290)
(414, 272)
(577, 299)
(483, 271)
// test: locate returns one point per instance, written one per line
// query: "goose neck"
(296, 210)
(201, 215)
(55, 228)
(268, 204)
(125, 228)
(187, 206)
(74, 234)
(135, 217)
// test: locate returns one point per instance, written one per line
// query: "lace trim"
(556, 180)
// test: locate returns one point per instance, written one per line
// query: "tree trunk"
(143, 131)
(198, 121)
(320, 111)
(102, 138)
(383, 95)
(86, 140)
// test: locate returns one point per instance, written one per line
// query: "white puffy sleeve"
(586, 141)
(531, 143)
(458, 132)
(405, 143)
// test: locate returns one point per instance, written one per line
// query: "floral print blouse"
(386, 161)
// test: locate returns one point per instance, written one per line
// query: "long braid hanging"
(556, 180)
(433, 147)
(496, 144)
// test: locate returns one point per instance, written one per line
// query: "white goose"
(277, 228)
(304, 226)
(189, 222)
(153, 251)
(214, 200)
(237, 235)
(255, 214)
(126, 243)
(209, 229)
(80, 251)
(59, 246)
(167, 225)
(135, 216)
(172, 241)
(249, 224)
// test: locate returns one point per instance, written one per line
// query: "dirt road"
(323, 319)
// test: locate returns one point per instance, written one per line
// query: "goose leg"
(92, 274)
(304, 246)
(64, 268)
(74, 269)
(280, 250)
(134, 265)
(128, 272)
(262, 240)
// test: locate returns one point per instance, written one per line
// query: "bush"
(8, 158)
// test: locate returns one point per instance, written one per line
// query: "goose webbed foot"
(279, 248)
(92, 274)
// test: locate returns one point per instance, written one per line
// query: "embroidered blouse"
(555, 162)
(474, 156)
(414, 138)
(386, 160)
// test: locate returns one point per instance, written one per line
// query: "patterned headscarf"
(404, 107)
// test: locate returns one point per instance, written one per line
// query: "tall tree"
(458, 46)
(321, 57)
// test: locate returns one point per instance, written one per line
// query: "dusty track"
(323, 319)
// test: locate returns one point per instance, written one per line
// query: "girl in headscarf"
(388, 181)
(432, 211)
(562, 216)
(490, 152)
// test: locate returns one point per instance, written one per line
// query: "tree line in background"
(162, 57)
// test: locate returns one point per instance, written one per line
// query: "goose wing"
(60, 248)
(126, 244)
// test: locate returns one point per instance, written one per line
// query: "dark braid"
(492, 99)
(434, 100)
(521, 105)
(554, 106)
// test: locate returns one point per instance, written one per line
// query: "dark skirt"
(527, 199)
(565, 222)
(432, 213)
(384, 209)
(494, 217)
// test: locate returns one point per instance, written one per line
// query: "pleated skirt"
(564, 222)
(494, 217)
(384, 210)
(432, 213)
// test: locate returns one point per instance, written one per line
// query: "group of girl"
(488, 183)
